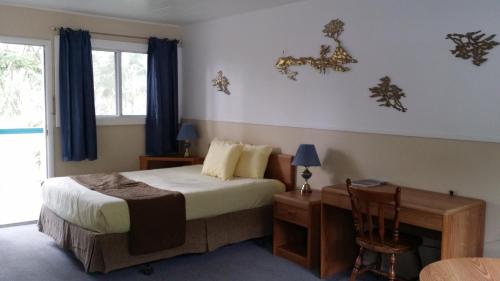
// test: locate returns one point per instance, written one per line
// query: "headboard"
(280, 167)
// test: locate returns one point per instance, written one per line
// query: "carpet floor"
(28, 255)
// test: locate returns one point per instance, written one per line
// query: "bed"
(95, 226)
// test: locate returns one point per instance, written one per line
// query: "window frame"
(118, 48)
(126, 47)
(49, 98)
(102, 45)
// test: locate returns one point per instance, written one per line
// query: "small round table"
(462, 269)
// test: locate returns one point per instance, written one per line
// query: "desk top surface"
(462, 269)
(296, 198)
(434, 202)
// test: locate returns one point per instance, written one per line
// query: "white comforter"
(205, 197)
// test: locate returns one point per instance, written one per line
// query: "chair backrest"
(367, 204)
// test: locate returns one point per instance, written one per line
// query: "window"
(134, 82)
(103, 64)
(120, 81)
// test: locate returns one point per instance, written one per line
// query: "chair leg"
(419, 264)
(357, 265)
(392, 268)
(419, 260)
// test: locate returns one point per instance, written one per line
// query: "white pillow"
(253, 161)
(221, 159)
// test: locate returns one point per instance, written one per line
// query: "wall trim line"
(448, 137)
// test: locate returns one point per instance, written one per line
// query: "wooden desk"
(477, 269)
(458, 220)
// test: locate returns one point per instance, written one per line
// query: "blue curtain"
(162, 106)
(76, 96)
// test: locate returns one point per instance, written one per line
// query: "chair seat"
(405, 243)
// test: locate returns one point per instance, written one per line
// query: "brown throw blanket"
(157, 217)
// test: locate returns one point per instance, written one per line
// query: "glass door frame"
(49, 95)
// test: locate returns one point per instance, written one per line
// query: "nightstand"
(156, 162)
(296, 227)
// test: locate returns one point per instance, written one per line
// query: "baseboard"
(17, 224)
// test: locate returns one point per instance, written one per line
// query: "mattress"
(205, 197)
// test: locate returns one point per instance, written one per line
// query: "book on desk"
(367, 183)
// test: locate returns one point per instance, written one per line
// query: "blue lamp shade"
(187, 132)
(306, 156)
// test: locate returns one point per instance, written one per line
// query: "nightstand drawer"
(292, 214)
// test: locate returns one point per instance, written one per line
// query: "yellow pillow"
(253, 161)
(221, 159)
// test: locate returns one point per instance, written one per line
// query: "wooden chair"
(366, 205)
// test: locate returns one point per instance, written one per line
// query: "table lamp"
(186, 134)
(308, 157)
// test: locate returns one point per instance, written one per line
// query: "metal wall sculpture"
(388, 95)
(221, 83)
(472, 45)
(335, 61)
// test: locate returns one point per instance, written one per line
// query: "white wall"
(446, 96)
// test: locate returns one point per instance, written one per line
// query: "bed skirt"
(107, 252)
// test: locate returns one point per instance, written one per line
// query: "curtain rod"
(117, 35)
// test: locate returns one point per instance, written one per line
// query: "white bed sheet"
(205, 197)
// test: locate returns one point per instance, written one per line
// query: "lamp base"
(187, 144)
(306, 189)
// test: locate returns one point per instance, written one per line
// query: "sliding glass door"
(23, 134)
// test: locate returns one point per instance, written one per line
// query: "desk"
(458, 220)
(477, 269)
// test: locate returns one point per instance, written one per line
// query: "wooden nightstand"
(156, 162)
(296, 227)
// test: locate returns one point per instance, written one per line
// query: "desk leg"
(463, 233)
(338, 248)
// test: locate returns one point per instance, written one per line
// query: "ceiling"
(162, 11)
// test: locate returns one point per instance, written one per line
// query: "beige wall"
(469, 168)
(118, 149)
(118, 146)
(32, 23)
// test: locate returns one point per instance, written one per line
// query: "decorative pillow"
(253, 161)
(221, 159)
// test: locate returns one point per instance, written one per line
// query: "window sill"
(120, 120)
